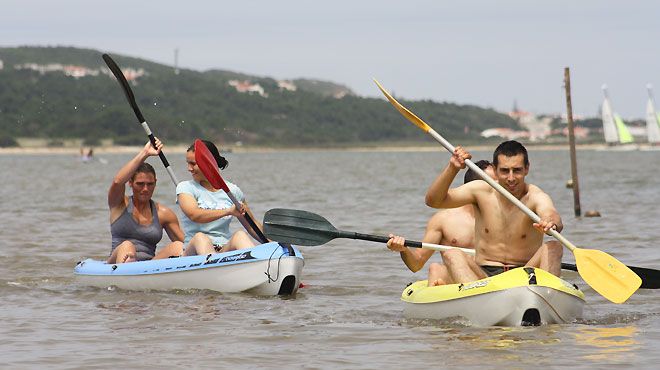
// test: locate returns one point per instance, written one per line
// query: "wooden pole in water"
(571, 141)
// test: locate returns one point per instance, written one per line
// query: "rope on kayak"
(279, 261)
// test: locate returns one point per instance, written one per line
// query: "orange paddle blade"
(406, 113)
(606, 275)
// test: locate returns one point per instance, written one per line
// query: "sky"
(489, 53)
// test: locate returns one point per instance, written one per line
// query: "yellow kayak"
(521, 296)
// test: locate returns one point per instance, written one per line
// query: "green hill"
(41, 97)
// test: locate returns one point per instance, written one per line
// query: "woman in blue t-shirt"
(207, 212)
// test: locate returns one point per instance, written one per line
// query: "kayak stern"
(519, 297)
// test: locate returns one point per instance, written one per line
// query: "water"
(349, 314)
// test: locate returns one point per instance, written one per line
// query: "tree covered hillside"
(63, 92)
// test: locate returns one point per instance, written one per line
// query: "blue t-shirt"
(217, 230)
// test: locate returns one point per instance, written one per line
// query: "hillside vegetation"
(179, 107)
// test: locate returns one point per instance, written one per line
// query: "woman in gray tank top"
(137, 222)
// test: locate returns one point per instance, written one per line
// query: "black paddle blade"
(650, 277)
(298, 227)
(119, 75)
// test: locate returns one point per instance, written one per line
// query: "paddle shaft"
(119, 75)
(651, 277)
(407, 243)
(161, 155)
(246, 217)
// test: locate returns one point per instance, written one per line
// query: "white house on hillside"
(286, 85)
(248, 87)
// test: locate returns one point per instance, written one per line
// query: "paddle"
(650, 277)
(131, 100)
(209, 167)
(309, 229)
(604, 273)
(298, 227)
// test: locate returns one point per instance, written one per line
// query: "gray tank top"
(144, 237)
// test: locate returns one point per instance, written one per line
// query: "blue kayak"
(267, 269)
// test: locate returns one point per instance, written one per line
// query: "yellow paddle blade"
(406, 113)
(606, 275)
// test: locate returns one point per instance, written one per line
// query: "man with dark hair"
(510, 148)
(505, 237)
(454, 226)
(472, 175)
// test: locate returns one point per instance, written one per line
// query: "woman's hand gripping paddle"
(131, 100)
(209, 167)
(604, 273)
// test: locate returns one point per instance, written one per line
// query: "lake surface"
(349, 315)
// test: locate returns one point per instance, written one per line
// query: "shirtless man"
(454, 226)
(505, 237)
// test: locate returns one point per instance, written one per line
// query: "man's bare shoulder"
(480, 188)
(477, 185)
(536, 197)
(474, 187)
(534, 191)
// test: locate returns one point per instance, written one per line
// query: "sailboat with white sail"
(652, 120)
(617, 135)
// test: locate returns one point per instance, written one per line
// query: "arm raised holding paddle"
(438, 195)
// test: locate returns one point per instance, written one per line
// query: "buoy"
(592, 213)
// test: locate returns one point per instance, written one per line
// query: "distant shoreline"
(258, 149)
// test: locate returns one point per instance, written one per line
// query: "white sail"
(652, 119)
(609, 126)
